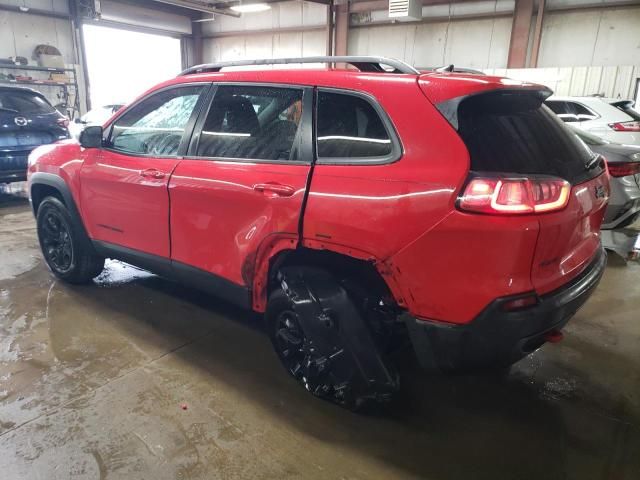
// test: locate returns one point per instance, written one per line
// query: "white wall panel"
(58, 6)
(136, 16)
(21, 32)
(610, 81)
(289, 44)
(592, 37)
(481, 43)
(569, 38)
(281, 15)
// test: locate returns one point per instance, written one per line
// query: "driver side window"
(156, 126)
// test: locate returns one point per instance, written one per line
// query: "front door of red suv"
(124, 194)
(243, 182)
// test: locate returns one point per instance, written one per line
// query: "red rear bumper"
(496, 337)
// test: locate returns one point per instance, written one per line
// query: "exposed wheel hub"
(325, 344)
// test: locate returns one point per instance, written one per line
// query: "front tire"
(65, 247)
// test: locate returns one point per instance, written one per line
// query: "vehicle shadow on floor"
(472, 426)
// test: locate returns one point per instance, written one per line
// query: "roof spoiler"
(449, 108)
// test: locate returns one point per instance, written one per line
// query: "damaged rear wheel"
(324, 343)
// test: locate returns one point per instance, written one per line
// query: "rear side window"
(348, 126)
(24, 102)
(583, 113)
(515, 133)
(559, 108)
(253, 122)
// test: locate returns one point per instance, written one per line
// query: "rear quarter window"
(352, 128)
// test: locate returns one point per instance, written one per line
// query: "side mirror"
(78, 120)
(91, 137)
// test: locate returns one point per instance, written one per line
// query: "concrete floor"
(93, 379)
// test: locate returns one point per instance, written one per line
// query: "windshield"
(24, 102)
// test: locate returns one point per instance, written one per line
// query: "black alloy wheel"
(56, 242)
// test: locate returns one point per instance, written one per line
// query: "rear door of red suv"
(241, 187)
(543, 170)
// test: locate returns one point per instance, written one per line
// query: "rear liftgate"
(337, 358)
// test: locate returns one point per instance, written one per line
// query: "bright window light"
(251, 7)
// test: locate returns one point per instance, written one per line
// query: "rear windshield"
(514, 133)
(24, 102)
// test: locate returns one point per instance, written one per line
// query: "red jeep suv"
(350, 205)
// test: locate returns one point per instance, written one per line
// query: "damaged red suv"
(351, 206)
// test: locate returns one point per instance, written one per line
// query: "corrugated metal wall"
(610, 81)
(233, 42)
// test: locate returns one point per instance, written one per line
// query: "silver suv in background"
(623, 162)
(612, 119)
(96, 116)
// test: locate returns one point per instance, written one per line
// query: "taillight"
(63, 122)
(511, 195)
(633, 126)
(622, 169)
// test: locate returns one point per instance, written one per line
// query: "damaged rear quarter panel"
(380, 209)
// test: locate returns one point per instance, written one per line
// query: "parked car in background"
(95, 116)
(27, 120)
(316, 198)
(612, 119)
(624, 167)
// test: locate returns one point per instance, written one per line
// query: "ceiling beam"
(537, 35)
(520, 29)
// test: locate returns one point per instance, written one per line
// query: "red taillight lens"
(623, 169)
(625, 126)
(63, 122)
(515, 195)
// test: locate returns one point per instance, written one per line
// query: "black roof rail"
(364, 64)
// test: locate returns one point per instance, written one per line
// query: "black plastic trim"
(309, 151)
(57, 182)
(449, 108)
(187, 274)
(497, 337)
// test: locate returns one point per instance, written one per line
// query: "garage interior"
(135, 376)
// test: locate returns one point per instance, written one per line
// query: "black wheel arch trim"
(57, 182)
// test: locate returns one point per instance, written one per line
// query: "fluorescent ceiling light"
(251, 7)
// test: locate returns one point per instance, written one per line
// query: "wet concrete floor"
(93, 381)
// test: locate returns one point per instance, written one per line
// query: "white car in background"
(613, 119)
(96, 116)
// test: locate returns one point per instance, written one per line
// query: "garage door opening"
(122, 64)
